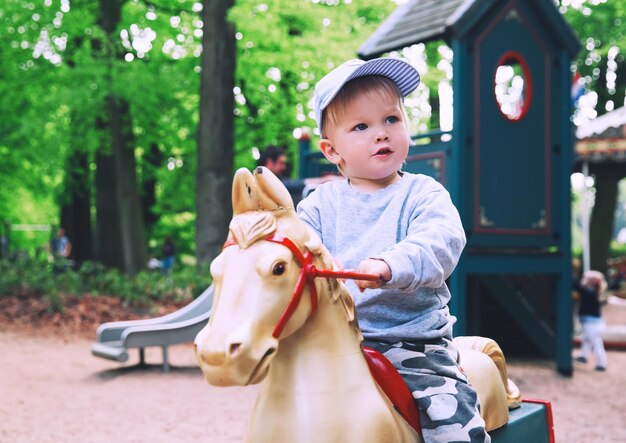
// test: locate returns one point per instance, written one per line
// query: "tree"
(120, 171)
(602, 67)
(603, 214)
(601, 63)
(215, 134)
(77, 90)
(283, 48)
(76, 204)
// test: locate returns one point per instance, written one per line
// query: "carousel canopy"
(603, 139)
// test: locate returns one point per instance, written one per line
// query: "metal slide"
(113, 339)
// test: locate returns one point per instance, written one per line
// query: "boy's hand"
(376, 267)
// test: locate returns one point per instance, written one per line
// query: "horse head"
(263, 293)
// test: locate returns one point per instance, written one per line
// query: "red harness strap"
(307, 274)
(305, 277)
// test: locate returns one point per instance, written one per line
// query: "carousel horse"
(283, 318)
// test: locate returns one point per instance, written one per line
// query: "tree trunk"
(76, 199)
(152, 161)
(607, 177)
(127, 192)
(108, 243)
(76, 205)
(215, 135)
(120, 230)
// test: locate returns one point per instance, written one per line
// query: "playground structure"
(114, 339)
(506, 162)
(265, 328)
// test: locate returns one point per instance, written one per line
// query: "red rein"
(308, 273)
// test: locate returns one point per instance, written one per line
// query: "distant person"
(62, 247)
(590, 290)
(275, 159)
(4, 246)
(168, 253)
(61, 250)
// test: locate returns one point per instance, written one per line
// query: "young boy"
(401, 226)
(590, 288)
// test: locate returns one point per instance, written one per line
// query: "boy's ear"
(329, 151)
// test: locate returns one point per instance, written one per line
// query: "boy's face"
(371, 140)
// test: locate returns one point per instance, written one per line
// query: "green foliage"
(180, 226)
(146, 286)
(617, 249)
(53, 83)
(284, 47)
(24, 274)
(601, 27)
(40, 277)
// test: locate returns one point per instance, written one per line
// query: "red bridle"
(307, 274)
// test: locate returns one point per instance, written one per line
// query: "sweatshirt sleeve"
(432, 246)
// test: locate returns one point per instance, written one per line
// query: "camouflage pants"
(448, 405)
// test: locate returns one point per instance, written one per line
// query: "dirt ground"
(53, 390)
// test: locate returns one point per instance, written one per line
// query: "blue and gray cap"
(400, 72)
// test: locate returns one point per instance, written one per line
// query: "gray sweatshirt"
(413, 226)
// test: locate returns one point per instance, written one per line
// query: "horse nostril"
(233, 348)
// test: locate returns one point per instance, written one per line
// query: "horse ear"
(245, 192)
(273, 193)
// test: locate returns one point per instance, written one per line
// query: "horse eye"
(278, 269)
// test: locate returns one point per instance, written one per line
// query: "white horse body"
(320, 389)
(316, 386)
(273, 323)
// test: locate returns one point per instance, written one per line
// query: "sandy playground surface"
(53, 390)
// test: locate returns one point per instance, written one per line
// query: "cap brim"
(400, 72)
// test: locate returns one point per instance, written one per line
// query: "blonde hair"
(594, 279)
(376, 86)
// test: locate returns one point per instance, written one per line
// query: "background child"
(590, 289)
(400, 226)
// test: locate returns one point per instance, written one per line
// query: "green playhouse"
(507, 164)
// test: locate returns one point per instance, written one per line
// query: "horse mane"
(252, 226)
(337, 291)
(249, 227)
